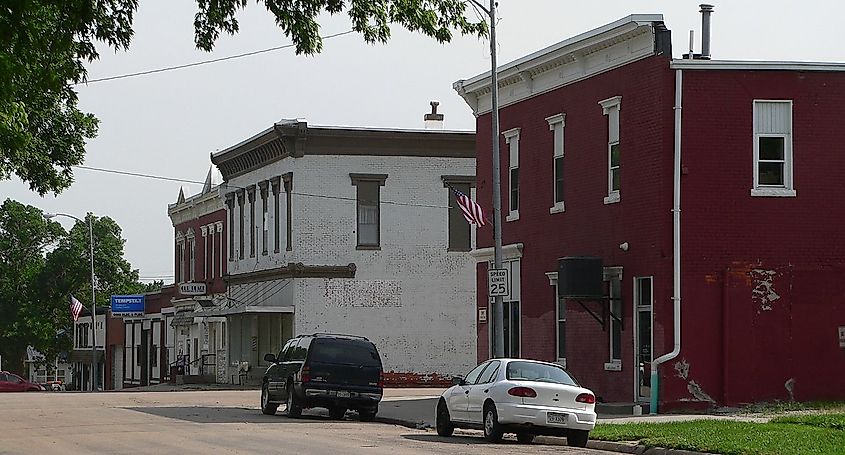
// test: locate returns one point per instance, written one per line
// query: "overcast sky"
(167, 124)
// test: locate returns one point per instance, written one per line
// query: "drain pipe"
(676, 248)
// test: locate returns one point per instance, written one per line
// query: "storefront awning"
(183, 318)
(84, 356)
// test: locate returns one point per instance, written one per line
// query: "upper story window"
(252, 230)
(288, 182)
(460, 234)
(263, 187)
(230, 205)
(241, 224)
(512, 139)
(556, 124)
(773, 148)
(190, 275)
(611, 107)
(368, 209)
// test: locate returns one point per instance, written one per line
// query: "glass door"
(643, 334)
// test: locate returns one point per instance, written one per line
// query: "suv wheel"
(367, 415)
(267, 407)
(294, 407)
(337, 412)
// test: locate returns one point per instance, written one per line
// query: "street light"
(94, 369)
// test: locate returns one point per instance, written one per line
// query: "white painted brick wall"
(414, 299)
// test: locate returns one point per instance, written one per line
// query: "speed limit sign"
(498, 282)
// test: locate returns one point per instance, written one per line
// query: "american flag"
(75, 308)
(471, 210)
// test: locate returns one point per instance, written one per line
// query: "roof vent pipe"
(705, 30)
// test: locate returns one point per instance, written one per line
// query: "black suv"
(324, 370)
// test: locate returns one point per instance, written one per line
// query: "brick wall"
(589, 227)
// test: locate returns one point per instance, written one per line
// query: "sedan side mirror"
(269, 358)
(458, 380)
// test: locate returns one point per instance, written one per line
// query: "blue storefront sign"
(127, 305)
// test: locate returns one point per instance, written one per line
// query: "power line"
(321, 196)
(203, 62)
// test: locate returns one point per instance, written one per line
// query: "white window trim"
(788, 190)
(512, 139)
(552, 276)
(557, 121)
(614, 102)
(612, 364)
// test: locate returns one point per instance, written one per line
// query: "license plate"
(342, 394)
(556, 417)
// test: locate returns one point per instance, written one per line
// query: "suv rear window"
(344, 351)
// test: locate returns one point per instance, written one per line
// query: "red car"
(10, 382)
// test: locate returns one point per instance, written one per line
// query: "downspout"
(676, 249)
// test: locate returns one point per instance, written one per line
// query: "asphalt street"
(214, 422)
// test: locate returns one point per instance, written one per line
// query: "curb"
(403, 423)
(635, 448)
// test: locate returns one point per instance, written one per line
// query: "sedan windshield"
(538, 372)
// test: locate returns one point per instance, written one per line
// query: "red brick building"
(182, 324)
(588, 142)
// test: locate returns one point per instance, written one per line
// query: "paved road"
(218, 421)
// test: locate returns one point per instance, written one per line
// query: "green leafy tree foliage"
(41, 266)
(24, 318)
(371, 18)
(44, 45)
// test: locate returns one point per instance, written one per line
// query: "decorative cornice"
(610, 103)
(512, 251)
(748, 65)
(510, 134)
(458, 180)
(556, 119)
(378, 178)
(274, 184)
(624, 41)
(294, 138)
(293, 270)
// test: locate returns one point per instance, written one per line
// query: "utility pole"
(94, 369)
(498, 306)
(499, 310)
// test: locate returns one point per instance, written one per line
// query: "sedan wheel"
(443, 421)
(267, 407)
(492, 429)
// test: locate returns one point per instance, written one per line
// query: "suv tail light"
(525, 392)
(306, 374)
(588, 398)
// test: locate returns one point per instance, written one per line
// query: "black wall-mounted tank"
(580, 277)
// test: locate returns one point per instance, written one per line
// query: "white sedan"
(519, 396)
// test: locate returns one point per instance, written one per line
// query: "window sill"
(612, 198)
(615, 365)
(558, 208)
(368, 248)
(512, 216)
(773, 192)
(458, 250)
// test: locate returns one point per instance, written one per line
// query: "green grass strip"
(833, 421)
(730, 437)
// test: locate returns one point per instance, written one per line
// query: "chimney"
(705, 30)
(433, 120)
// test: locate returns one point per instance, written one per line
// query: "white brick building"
(350, 230)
